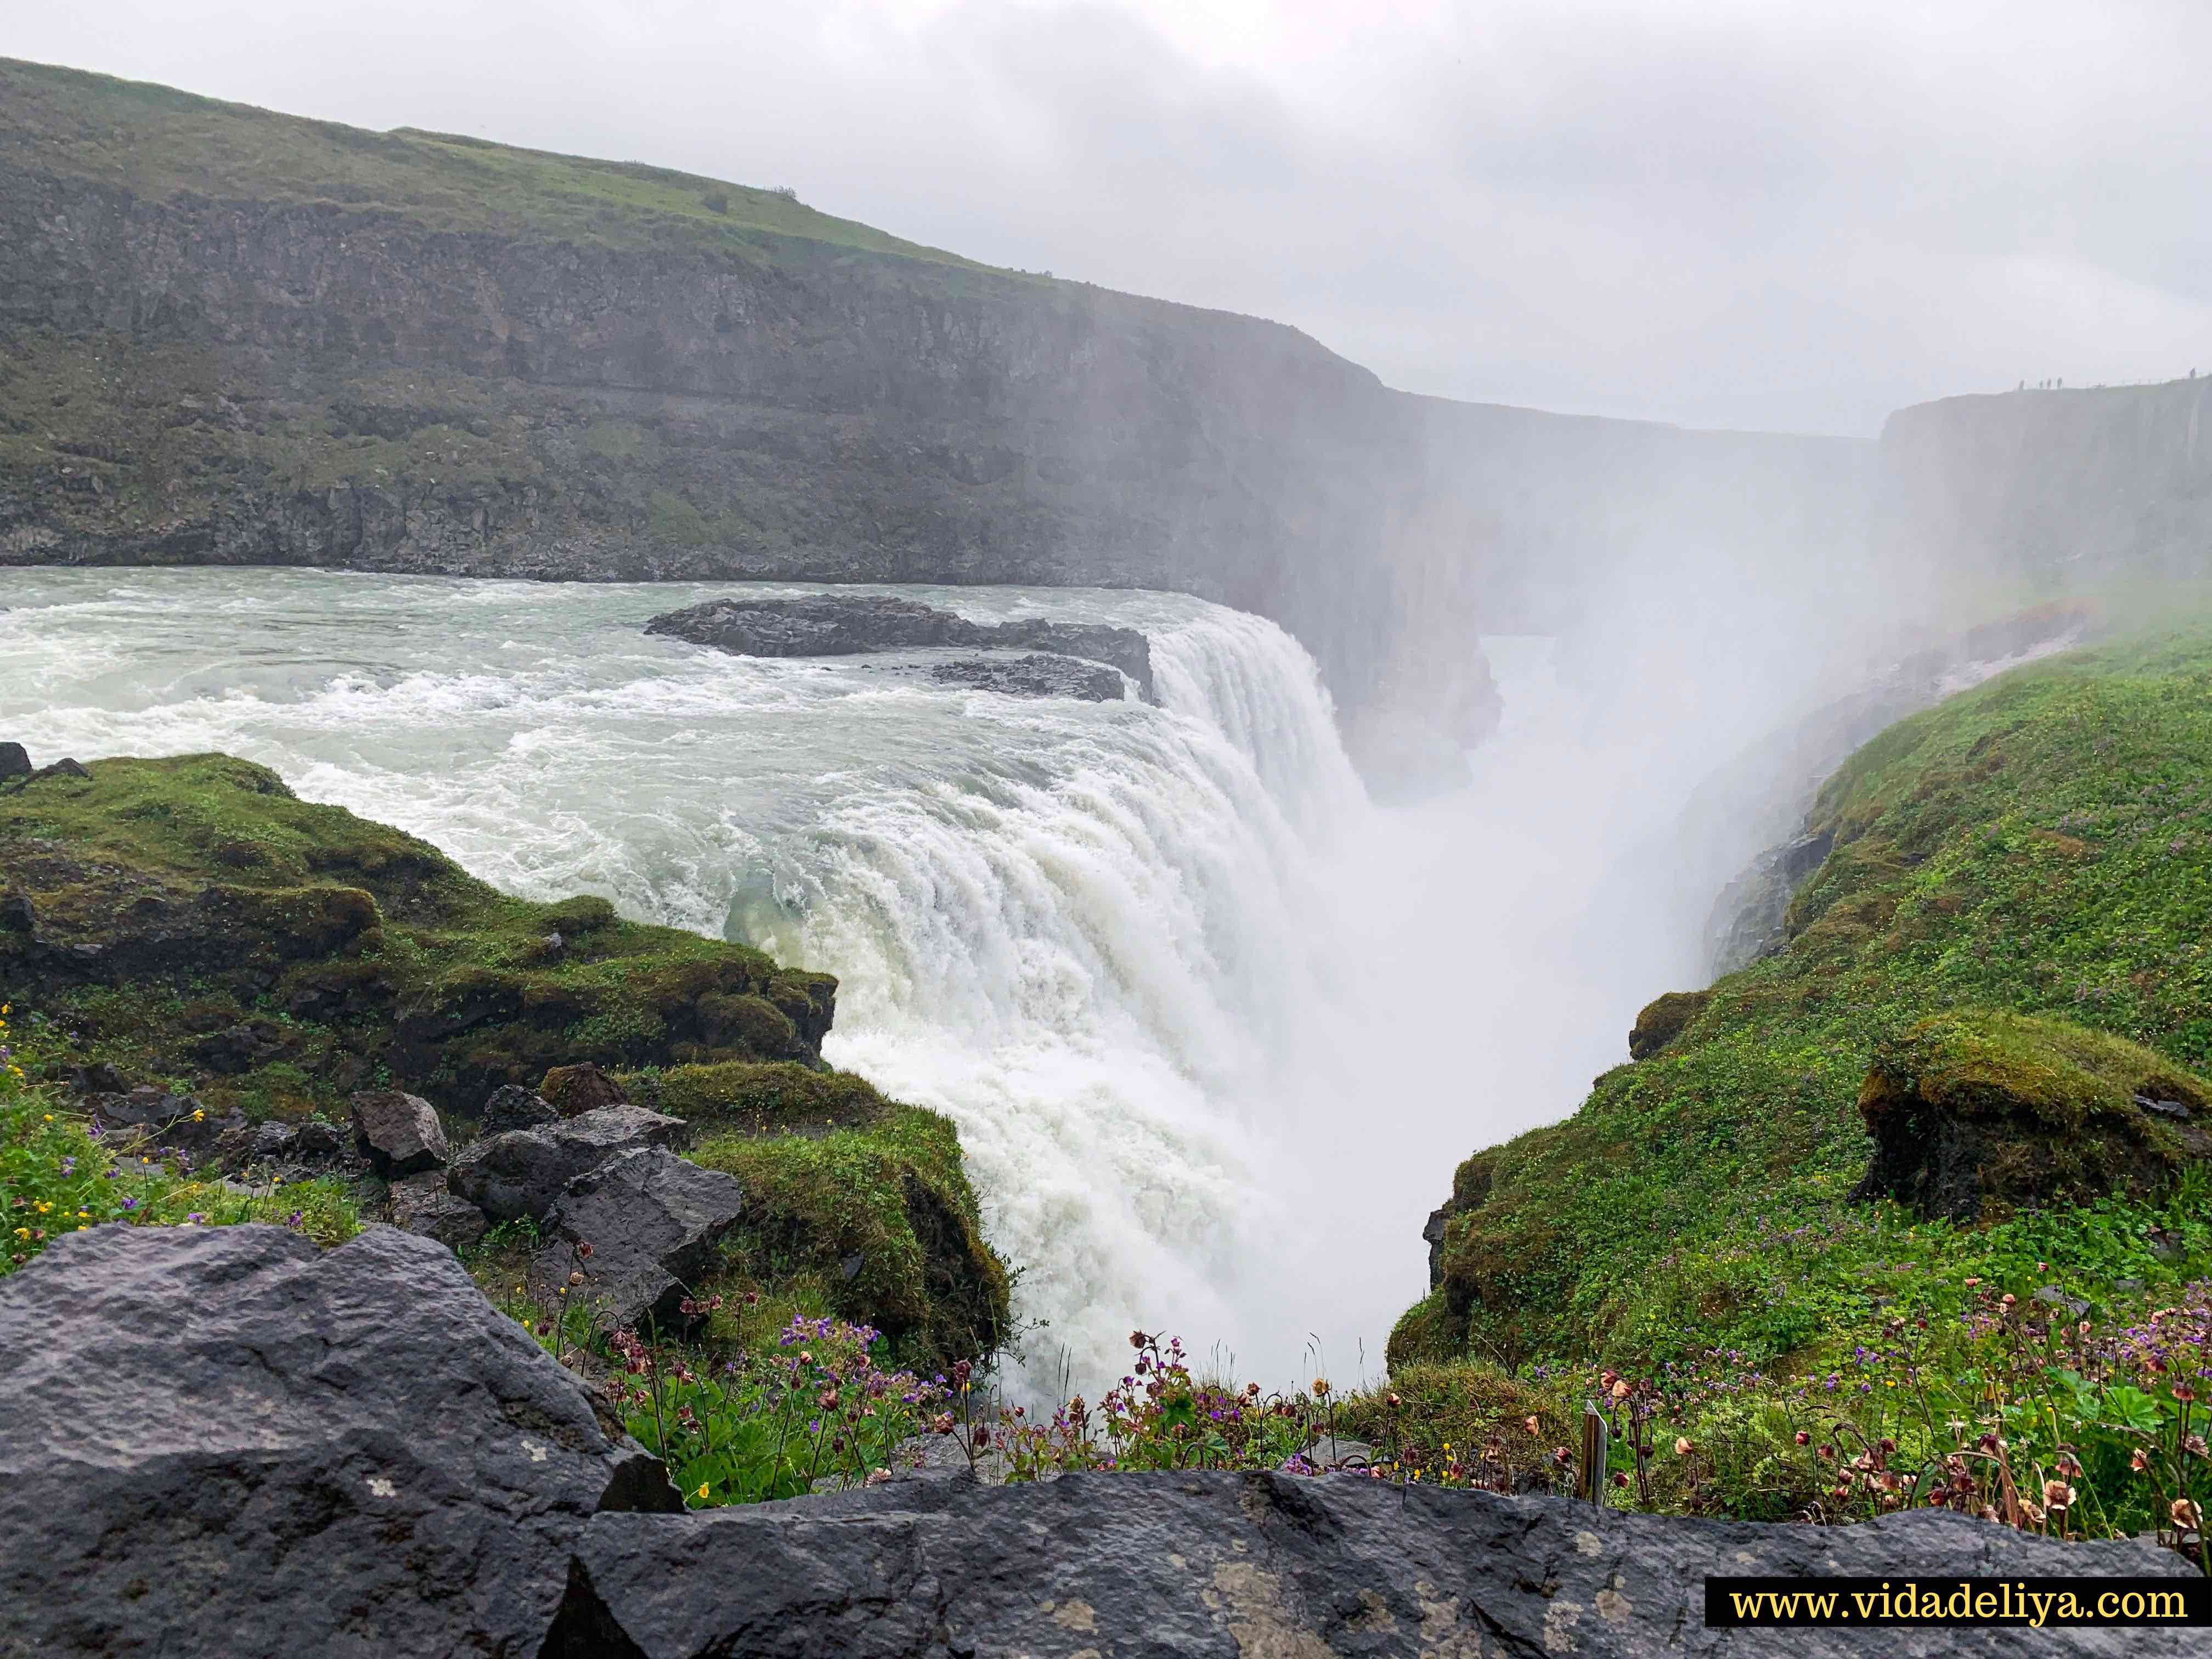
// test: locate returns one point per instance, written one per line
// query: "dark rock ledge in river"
(226, 1441)
(840, 625)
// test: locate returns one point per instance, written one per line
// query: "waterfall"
(1110, 941)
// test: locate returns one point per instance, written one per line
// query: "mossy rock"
(774, 1098)
(1976, 1114)
(159, 901)
(1663, 1020)
(875, 1222)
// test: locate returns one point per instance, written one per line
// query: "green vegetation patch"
(876, 1224)
(2041, 845)
(156, 141)
(59, 1174)
(192, 922)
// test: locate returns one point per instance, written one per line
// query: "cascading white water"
(1109, 941)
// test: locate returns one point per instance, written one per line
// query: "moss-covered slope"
(190, 921)
(2041, 845)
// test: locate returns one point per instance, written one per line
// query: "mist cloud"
(1746, 215)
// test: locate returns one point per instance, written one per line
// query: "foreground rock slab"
(1259, 1567)
(226, 1441)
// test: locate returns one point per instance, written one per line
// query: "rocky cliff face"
(2070, 488)
(236, 337)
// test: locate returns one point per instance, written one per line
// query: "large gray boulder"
(1290, 1567)
(652, 1221)
(400, 1132)
(521, 1172)
(226, 1441)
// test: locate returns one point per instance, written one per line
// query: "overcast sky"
(1786, 215)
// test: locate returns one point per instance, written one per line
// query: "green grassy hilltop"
(155, 142)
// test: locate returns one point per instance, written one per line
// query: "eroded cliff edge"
(233, 336)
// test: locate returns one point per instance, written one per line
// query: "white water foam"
(1107, 939)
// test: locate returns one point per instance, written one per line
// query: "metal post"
(1597, 1440)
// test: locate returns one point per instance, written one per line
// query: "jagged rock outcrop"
(399, 1132)
(401, 1470)
(521, 1172)
(511, 1106)
(652, 1220)
(422, 1204)
(841, 625)
(226, 1441)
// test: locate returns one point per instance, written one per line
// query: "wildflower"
(1392, 1401)
(2186, 1514)
(1620, 1479)
(195, 1218)
(1620, 1388)
(1529, 1423)
(1681, 1446)
(2057, 1495)
(1320, 1388)
(585, 1250)
(703, 1488)
(2140, 1461)
(199, 1115)
(1804, 1437)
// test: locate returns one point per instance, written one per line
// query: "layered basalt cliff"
(2071, 488)
(232, 336)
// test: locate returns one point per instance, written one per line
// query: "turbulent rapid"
(1091, 934)
(1212, 1027)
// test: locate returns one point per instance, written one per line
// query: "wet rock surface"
(1035, 676)
(1227, 1564)
(838, 625)
(521, 1172)
(652, 1220)
(228, 1441)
